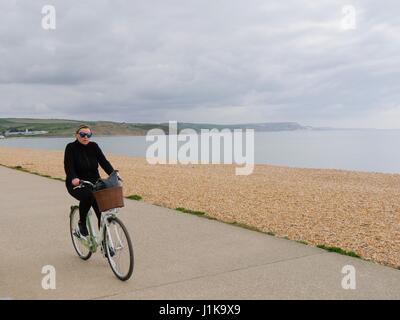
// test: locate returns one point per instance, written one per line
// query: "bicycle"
(112, 244)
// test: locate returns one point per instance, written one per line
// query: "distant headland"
(12, 127)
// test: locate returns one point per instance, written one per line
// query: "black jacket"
(82, 161)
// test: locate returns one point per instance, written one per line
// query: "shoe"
(83, 229)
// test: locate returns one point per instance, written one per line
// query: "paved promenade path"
(177, 256)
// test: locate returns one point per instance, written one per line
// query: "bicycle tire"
(122, 277)
(74, 211)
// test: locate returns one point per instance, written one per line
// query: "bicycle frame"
(93, 241)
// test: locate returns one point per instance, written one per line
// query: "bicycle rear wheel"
(83, 252)
(119, 249)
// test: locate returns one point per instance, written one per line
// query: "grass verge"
(302, 242)
(197, 213)
(338, 250)
(236, 224)
(20, 168)
(134, 197)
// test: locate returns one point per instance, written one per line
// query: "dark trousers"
(86, 200)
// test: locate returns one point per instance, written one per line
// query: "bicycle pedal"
(105, 254)
(79, 235)
(112, 252)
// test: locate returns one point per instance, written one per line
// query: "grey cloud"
(213, 61)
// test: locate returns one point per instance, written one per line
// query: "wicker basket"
(109, 198)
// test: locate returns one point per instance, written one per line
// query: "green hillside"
(64, 127)
(61, 127)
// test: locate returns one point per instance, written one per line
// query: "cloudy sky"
(216, 61)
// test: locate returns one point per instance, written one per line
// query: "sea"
(360, 150)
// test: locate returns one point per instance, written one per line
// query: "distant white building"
(24, 133)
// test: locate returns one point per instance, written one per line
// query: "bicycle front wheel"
(119, 249)
(83, 252)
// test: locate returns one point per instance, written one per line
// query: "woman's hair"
(82, 126)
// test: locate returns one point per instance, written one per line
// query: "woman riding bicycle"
(81, 161)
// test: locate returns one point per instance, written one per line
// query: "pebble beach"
(355, 211)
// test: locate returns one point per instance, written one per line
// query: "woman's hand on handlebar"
(83, 183)
(75, 182)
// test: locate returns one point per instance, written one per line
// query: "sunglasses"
(84, 134)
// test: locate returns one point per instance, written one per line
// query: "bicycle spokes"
(80, 244)
(119, 249)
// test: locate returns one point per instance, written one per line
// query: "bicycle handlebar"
(82, 184)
